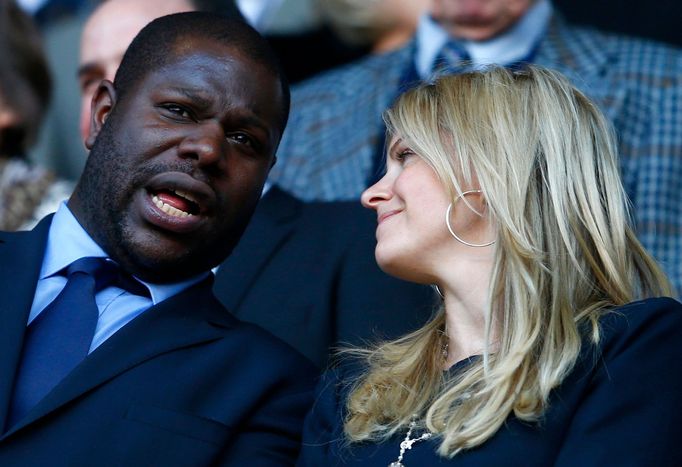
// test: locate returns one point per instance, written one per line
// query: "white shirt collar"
(515, 44)
(266, 188)
(259, 13)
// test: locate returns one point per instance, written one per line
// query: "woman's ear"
(103, 102)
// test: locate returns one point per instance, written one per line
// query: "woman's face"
(410, 202)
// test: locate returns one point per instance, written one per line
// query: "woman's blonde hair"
(545, 158)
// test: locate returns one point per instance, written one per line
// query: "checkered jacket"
(328, 148)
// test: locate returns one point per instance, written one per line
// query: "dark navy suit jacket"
(306, 272)
(183, 384)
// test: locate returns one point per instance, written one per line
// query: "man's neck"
(69, 241)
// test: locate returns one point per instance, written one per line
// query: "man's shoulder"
(231, 338)
(258, 346)
(347, 80)
(623, 52)
(15, 242)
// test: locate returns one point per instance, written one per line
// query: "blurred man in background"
(333, 148)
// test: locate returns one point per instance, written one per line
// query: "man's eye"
(242, 138)
(178, 110)
(87, 84)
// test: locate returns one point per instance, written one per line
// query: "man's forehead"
(207, 61)
(202, 52)
(199, 62)
(114, 25)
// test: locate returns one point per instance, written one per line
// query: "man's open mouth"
(176, 203)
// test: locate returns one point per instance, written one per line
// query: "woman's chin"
(403, 269)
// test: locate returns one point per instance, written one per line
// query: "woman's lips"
(382, 217)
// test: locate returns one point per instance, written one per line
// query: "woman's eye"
(403, 155)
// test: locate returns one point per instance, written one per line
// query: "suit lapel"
(270, 227)
(21, 257)
(192, 317)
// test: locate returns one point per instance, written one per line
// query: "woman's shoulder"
(627, 383)
(641, 330)
(648, 316)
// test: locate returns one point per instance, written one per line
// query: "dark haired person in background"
(113, 350)
(27, 193)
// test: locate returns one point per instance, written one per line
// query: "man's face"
(174, 174)
(107, 35)
(478, 20)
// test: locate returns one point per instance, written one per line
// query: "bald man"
(104, 41)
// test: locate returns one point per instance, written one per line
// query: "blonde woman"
(502, 190)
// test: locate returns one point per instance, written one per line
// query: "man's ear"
(8, 117)
(103, 102)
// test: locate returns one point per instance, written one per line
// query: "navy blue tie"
(59, 338)
(452, 58)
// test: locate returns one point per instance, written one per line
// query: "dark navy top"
(620, 406)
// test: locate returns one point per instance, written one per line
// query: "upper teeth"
(168, 209)
(185, 195)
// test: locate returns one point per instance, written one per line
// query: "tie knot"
(102, 271)
(106, 273)
(90, 265)
(451, 58)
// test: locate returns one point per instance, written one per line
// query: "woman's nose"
(376, 194)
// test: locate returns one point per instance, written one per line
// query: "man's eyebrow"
(198, 97)
(252, 120)
(87, 68)
(203, 100)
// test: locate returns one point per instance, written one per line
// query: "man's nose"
(205, 143)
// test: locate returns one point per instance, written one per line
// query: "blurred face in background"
(8, 119)
(478, 20)
(106, 36)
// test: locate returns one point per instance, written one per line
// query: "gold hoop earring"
(452, 232)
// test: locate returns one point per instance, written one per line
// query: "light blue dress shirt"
(515, 44)
(67, 242)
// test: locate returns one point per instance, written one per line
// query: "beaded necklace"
(407, 443)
